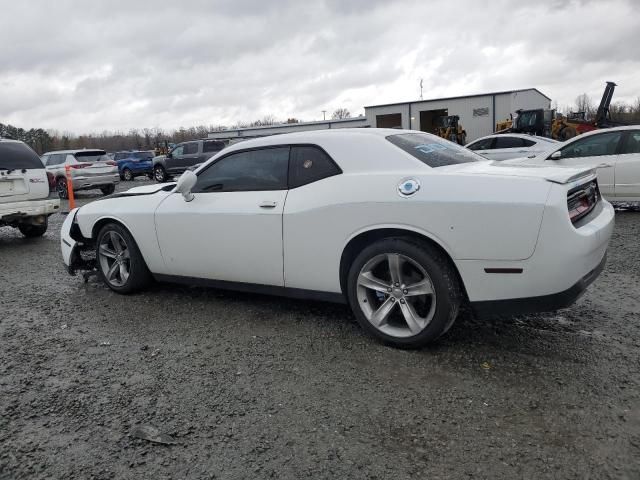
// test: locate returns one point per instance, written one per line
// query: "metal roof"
(490, 94)
(289, 125)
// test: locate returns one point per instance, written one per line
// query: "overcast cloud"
(87, 66)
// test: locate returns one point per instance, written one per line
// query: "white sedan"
(403, 225)
(504, 146)
(615, 152)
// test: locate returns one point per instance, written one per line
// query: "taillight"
(582, 199)
(80, 165)
(112, 163)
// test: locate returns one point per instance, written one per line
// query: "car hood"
(555, 174)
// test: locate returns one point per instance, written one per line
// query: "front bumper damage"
(78, 253)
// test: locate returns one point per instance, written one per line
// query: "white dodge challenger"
(402, 225)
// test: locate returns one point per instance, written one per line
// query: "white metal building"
(478, 113)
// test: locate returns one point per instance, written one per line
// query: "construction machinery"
(449, 127)
(549, 123)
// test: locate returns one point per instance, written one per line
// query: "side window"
(593, 146)
(56, 159)
(45, 159)
(118, 156)
(508, 142)
(632, 144)
(528, 143)
(212, 146)
(484, 144)
(190, 148)
(178, 151)
(310, 164)
(253, 170)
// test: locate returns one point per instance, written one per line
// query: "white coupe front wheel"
(119, 260)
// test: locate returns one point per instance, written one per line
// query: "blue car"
(134, 163)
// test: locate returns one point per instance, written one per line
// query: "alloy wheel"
(396, 295)
(128, 176)
(114, 258)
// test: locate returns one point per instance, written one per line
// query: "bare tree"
(584, 104)
(341, 113)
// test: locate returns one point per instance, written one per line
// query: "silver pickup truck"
(183, 156)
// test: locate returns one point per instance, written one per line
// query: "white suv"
(89, 168)
(24, 190)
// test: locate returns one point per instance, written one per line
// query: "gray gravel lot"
(260, 387)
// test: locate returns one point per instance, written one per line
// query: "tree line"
(42, 140)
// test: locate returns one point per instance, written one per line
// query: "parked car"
(615, 152)
(90, 169)
(403, 225)
(183, 156)
(511, 145)
(134, 163)
(24, 190)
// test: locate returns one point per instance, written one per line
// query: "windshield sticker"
(430, 147)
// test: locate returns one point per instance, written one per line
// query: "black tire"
(108, 189)
(61, 188)
(160, 174)
(31, 231)
(139, 275)
(127, 175)
(447, 288)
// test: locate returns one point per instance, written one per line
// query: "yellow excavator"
(549, 123)
(449, 127)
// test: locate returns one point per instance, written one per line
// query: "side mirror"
(185, 183)
(556, 155)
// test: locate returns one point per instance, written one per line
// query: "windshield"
(17, 156)
(433, 151)
(143, 155)
(90, 157)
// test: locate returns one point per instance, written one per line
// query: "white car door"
(593, 150)
(627, 173)
(232, 229)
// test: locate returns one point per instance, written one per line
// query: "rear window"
(433, 151)
(17, 155)
(93, 156)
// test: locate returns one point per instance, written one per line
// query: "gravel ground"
(258, 387)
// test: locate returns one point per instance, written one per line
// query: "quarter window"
(253, 170)
(484, 144)
(632, 144)
(212, 146)
(310, 164)
(593, 146)
(528, 143)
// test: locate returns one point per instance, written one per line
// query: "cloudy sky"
(87, 66)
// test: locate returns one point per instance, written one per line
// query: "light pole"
(324, 117)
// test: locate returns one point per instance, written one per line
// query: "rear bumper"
(544, 303)
(29, 208)
(85, 183)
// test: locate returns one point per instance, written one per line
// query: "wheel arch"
(365, 238)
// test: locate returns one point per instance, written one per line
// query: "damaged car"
(403, 226)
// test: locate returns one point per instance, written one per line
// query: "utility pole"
(420, 89)
(324, 117)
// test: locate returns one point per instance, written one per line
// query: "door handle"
(266, 204)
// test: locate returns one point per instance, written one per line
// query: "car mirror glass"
(186, 182)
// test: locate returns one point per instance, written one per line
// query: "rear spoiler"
(578, 178)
